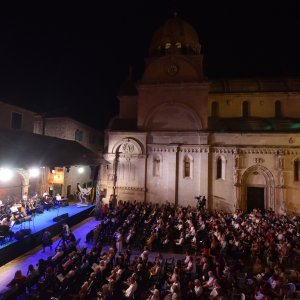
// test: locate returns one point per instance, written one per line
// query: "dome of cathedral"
(175, 36)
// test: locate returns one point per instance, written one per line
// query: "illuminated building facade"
(179, 135)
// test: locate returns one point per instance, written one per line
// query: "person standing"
(66, 232)
(46, 240)
(119, 240)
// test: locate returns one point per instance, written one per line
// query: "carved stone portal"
(270, 186)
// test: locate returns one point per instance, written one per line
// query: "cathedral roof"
(175, 35)
(252, 85)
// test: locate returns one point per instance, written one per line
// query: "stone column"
(237, 180)
(204, 176)
(281, 203)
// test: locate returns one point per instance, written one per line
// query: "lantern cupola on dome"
(175, 36)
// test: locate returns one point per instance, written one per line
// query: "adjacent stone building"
(70, 129)
(180, 135)
(59, 161)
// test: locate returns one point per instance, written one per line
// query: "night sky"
(67, 59)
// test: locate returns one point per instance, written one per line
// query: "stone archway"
(14, 189)
(269, 185)
(173, 116)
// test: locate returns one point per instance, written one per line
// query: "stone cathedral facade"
(179, 134)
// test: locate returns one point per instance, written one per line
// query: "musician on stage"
(31, 206)
(47, 201)
(16, 213)
(5, 229)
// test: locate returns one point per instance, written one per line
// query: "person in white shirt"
(131, 289)
(209, 283)
(145, 254)
(181, 240)
(58, 254)
(198, 288)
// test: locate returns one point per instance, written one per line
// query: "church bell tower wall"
(173, 107)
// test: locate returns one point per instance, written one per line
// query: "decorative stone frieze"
(172, 148)
(162, 148)
(130, 188)
(194, 149)
(271, 150)
(223, 150)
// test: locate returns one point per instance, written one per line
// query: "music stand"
(31, 221)
(28, 219)
(58, 206)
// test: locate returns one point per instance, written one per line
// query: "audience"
(225, 255)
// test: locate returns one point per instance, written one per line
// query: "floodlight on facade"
(34, 172)
(5, 174)
(80, 170)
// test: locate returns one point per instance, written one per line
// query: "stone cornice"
(194, 148)
(130, 188)
(223, 149)
(162, 148)
(258, 94)
(175, 148)
(176, 85)
(256, 150)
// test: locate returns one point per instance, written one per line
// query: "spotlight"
(34, 172)
(80, 170)
(5, 174)
(52, 170)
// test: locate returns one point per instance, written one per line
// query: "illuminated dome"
(175, 36)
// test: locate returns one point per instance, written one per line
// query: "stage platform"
(12, 249)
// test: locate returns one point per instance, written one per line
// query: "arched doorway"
(258, 189)
(11, 191)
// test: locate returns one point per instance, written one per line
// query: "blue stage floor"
(45, 220)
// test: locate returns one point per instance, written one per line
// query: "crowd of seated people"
(224, 256)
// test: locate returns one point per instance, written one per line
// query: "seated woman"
(149, 242)
(154, 295)
(174, 294)
(155, 271)
(18, 279)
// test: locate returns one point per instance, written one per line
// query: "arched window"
(156, 165)
(220, 168)
(278, 113)
(78, 135)
(214, 109)
(188, 162)
(187, 167)
(245, 109)
(297, 169)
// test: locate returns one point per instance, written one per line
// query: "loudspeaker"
(61, 217)
(19, 235)
(26, 231)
